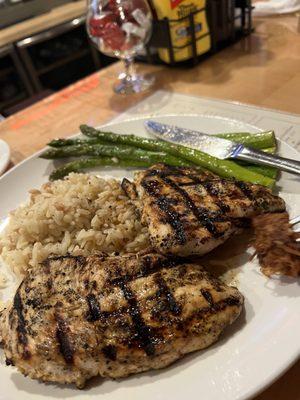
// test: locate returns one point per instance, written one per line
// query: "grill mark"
(217, 285)
(96, 314)
(207, 183)
(225, 208)
(245, 189)
(200, 215)
(49, 284)
(149, 266)
(21, 326)
(46, 265)
(166, 170)
(208, 297)
(143, 332)
(196, 180)
(8, 362)
(65, 346)
(217, 307)
(214, 192)
(172, 217)
(168, 295)
(232, 301)
(210, 187)
(129, 189)
(179, 171)
(187, 184)
(206, 220)
(106, 316)
(242, 222)
(182, 271)
(34, 303)
(86, 283)
(94, 308)
(110, 352)
(176, 172)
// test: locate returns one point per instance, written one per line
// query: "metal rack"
(228, 21)
(15, 73)
(35, 71)
(13, 12)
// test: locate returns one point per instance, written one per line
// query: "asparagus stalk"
(260, 169)
(98, 137)
(266, 171)
(224, 168)
(119, 151)
(264, 140)
(257, 140)
(261, 140)
(82, 164)
(75, 141)
(270, 150)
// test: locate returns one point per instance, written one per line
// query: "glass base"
(133, 84)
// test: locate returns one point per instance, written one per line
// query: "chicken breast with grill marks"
(74, 318)
(188, 211)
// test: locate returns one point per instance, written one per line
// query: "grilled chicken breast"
(75, 317)
(190, 212)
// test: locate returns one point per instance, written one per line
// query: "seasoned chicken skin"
(188, 211)
(75, 317)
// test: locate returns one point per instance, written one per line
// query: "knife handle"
(259, 157)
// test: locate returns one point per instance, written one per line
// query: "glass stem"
(129, 69)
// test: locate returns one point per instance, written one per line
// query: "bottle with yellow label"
(179, 10)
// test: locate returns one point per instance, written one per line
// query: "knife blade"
(218, 147)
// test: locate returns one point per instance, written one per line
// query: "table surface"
(263, 70)
(56, 16)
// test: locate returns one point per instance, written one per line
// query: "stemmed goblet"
(121, 28)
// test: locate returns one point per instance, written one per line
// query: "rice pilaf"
(81, 214)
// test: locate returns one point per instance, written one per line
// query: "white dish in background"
(4, 156)
(260, 346)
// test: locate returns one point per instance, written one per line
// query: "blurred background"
(44, 44)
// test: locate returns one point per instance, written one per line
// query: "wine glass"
(121, 28)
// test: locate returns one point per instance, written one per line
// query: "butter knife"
(218, 147)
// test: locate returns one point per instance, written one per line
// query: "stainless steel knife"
(218, 147)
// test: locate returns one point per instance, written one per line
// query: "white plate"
(4, 156)
(252, 353)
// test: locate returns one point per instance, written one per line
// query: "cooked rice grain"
(82, 214)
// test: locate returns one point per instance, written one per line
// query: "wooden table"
(263, 70)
